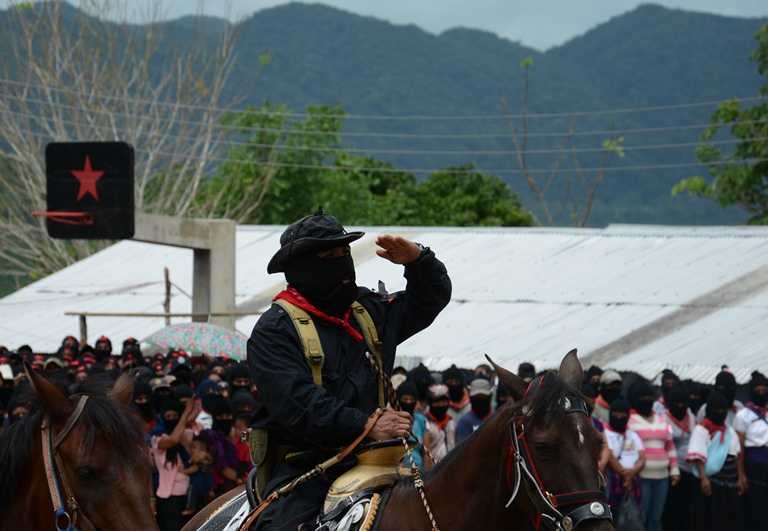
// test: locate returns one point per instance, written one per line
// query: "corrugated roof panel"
(518, 293)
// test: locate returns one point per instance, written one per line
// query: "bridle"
(558, 512)
(65, 507)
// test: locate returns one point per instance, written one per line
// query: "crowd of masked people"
(678, 455)
(193, 409)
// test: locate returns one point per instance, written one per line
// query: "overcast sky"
(537, 23)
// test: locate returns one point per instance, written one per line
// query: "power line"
(435, 170)
(314, 132)
(420, 117)
(421, 152)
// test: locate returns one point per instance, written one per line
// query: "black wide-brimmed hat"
(310, 234)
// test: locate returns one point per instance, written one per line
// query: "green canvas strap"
(365, 321)
(313, 349)
(310, 340)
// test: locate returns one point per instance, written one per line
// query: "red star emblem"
(87, 177)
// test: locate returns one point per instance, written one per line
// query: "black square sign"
(94, 179)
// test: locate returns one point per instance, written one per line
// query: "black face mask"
(696, 403)
(610, 394)
(145, 410)
(728, 392)
(222, 425)
(328, 283)
(717, 416)
(408, 407)
(456, 392)
(644, 406)
(481, 405)
(618, 424)
(439, 412)
(759, 399)
(170, 425)
(678, 410)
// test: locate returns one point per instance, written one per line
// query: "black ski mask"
(641, 397)
(619, 415)
(717, 408)
(677, 401)
(328, 283)
(725, 383)
(481, 405)
(758, 387)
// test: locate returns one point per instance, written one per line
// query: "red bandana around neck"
(713, 428)
(684, 424)
(440, 423)
(461, 404)
(297, 299)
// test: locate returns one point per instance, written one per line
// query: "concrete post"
(213, 270)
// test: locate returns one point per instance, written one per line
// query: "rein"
(65, 506)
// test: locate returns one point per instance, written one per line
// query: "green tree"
(743, 179)
(462, 196)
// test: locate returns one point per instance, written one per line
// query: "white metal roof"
(519, 294)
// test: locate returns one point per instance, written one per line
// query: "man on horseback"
(321, 356)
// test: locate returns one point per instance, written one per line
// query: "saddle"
(354, 499)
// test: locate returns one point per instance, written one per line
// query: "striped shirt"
(658, 440)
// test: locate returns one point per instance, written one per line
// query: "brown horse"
(94, 451)
(531, 466)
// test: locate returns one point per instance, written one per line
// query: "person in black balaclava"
(618, 415)
(526, 371)
(758, 390)
(327, 280)
(183, 393)
(243, 403)
(407, 396)
(239, 378)
(682, 422)
(751, 425)
(668, 380)
(725, 384)
(697, 396)
(170, 453)
(102, 349)
(609, 390)
(218, 439)
(641, 397)
(312, 411)
(592, 376)
(459, 405)
(142, 403)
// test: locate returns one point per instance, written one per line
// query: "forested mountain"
(651, 56)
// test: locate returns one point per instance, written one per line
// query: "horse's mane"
(102, 418)
(540, 405)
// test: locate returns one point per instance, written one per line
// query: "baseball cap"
(610, 376)
(480, 386)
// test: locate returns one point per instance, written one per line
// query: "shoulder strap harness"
(313, 349)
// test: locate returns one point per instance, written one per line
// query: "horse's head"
(554, 450)
(96, 455)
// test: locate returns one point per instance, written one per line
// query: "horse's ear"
(571, 371)
(52, 400)
(122, 392)
(512, 381)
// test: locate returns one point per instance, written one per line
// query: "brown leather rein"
(65, 506)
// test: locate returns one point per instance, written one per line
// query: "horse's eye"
(86, 472)
(545, 450)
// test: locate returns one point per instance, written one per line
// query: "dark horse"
(531, 466)
(97, 460)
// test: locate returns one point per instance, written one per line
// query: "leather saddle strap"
(322, 467)
(71, 421)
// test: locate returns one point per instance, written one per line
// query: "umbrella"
(200, 338)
